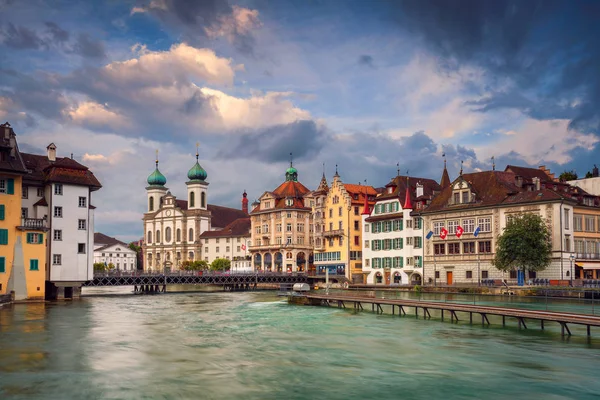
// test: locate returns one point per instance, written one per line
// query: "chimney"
(51, 152)
(519, 181)
(536, 183)
(6, 130)
(419, 189)
(245, 202)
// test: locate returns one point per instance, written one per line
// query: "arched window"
(168, 256)
(161, 202)
(192, 199)
(157, 237)
(191, 256)
(167, 234)
(149, 238)
(191, 235)
(151, 204)
(178, 235)
(203, 200)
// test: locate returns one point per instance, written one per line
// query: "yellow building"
(342, 235)
(586, 237)
(22, 242)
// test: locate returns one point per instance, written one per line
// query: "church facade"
(172, 227)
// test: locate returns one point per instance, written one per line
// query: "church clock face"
(168, 213)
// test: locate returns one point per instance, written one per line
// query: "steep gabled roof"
(220, 216)
(63, 170)
(400, 183)
(239, 227)
(101, 238)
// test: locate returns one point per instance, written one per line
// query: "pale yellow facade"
(586, 241)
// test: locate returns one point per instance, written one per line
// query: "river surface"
(255, 346)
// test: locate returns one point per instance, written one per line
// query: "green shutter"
(401, 224)
(33, 265)
(2, 264)
(401, 243)
(10, 189)
(3, 236)
(2, 212)
(29, 237)
(401, 259)
(40, 238)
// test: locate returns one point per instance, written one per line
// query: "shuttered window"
(2, 208)
(2, 264)
(33, 265)
(3, 236)
(10, 186)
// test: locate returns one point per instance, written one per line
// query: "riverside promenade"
(523, 316)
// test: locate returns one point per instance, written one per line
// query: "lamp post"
(572, 258)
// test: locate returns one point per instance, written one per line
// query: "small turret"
(245, 202)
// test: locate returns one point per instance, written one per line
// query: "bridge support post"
(589, 333)
(442, 315)
(471, 317)
(542, 323)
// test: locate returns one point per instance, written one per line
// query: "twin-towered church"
(172, 227)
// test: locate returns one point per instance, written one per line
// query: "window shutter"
(2, 264)
(401, 243)
(2, 208)
(400, 224)
(401, 260)
(40, 238)
(3, 236)
(31, 264)
(29, 238)
(10, 189)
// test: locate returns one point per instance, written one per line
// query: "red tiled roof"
(63, 170)
(239, 227)
(528, 173)
(291, 189)
(399, 182)
(445, 182)
(220, 216)
(493, 188)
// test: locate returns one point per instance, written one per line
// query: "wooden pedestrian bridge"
(453, 310)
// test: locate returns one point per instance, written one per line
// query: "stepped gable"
(220, 216)
(239, 227)
(63, 170)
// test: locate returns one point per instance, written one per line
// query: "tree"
(110, 267)
(194, 265)
(99, 266)
(525, 244)
(220, 264)
(567, 176)
(589, 175)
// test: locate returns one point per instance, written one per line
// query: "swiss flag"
(443, 233)
(459, 231)
(243, 247)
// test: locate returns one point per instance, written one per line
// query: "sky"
(369, 86)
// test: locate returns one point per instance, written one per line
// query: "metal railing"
(33, 223)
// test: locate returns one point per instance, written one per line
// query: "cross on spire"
(291, 159)
(197, 145)
(398, 168)
(157, 158)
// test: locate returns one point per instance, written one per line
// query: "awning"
(588, 265)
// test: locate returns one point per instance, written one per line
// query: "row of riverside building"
(377, 235)
(46, 222)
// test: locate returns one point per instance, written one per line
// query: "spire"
(156, 178)
(157, 158)
(197, 145)
(493, 164)
(398, 168)
(336, 171)
(461, 167)
(197, 173)
(291, 174)
(366, 210)
(445, 182)
(245, 202)
(407, 203)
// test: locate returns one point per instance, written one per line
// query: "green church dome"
(197, 173)
(156, 178)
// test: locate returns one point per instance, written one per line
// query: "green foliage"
(567, 176)
(110, 267)
(418, 288)
(99, 266)
(220, 264)
(194, 265)
(525, 244)
(134, 247)
(589, 175)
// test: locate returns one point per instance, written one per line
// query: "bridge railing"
(116, 273)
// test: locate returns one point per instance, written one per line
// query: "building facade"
(481, 204)
(393, 232)
(281, 224)
(108, 250)
(342, 236)
(22, 241)
(57, 192)
(585, 260)
(173, 227)
(230, 243)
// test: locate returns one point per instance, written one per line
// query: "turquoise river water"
(253, 345)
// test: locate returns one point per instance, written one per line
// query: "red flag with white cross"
(443, 233)
(459, 231)
(243, 247)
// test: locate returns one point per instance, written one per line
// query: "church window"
(149, 238)
(203, 200)
(178, 235)
(191, 256)
(192, 199)
(157, 236)
(191, 235)
(167, 234)
(151, 204)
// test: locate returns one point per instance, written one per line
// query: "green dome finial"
(291, 174)
(197, 173)
(156, 178)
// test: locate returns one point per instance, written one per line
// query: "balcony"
(334, 233)
(33, 224)
(587, 256)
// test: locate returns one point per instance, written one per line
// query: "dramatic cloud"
(88, 47)
(366, 61)
(20, 37)
(206, 19)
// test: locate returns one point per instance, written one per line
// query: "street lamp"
(572, 258)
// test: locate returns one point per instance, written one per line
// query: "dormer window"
(267, 204)
(465, 197)
(390, 190)
(289, 202)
